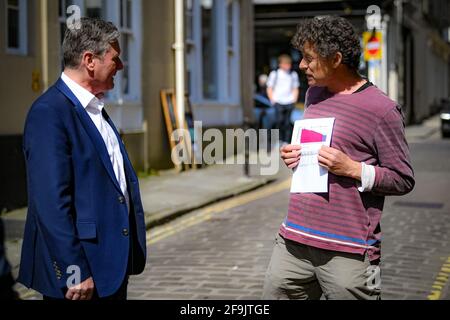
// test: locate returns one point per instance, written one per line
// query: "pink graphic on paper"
(308, 136)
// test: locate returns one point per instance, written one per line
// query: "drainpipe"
(44, 43)
(179, 60)
(399, 52)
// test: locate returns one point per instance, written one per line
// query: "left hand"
(339, 163)
(83, 291)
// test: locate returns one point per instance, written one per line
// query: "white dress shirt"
(94, 107)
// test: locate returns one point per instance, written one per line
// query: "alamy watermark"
(74, 278)
(73, 21)
(373, 274)
(235, 146)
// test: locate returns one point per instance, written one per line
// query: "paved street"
(224, 255)
(222, 251)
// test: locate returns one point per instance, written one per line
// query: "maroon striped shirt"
(369, 128)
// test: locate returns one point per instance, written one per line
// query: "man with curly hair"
(329, 243)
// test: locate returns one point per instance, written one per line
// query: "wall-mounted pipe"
(179, 60)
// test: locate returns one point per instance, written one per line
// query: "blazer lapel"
(91, 130)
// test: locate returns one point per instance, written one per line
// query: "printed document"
(311, 134)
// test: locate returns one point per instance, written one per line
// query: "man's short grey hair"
(95, 35)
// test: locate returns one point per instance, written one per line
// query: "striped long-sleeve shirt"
(369, 128)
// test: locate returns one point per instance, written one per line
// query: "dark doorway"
(276, 24)
(270, 43)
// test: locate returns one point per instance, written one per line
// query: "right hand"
(83, 291)
(291, 155)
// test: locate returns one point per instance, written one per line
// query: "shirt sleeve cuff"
(367, 178)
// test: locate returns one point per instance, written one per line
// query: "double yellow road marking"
(440, 281)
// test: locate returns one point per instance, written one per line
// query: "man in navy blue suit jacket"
(85, 229)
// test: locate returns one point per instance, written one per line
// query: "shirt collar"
(85, 97)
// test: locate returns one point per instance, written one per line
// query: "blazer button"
(121, 199)
(125, 232)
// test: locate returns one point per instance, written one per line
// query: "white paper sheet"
(311, 134)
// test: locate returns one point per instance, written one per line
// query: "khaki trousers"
(297, 271)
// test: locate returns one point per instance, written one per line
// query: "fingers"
(293, 164)
(288, 153)
(326, 152)
(76, 296)
(73, 294)
(291, 155)
(290, 147)
(291, 161)
(79, 294)
(324, 162)
(69, 294)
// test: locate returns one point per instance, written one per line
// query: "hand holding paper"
(311, 135)
(339, 163)
(291, 155)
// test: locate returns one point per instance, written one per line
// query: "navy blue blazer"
(77, 214)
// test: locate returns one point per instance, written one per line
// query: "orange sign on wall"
(373, 43)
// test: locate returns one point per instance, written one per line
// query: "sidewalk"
(425, 130)
(165, 197)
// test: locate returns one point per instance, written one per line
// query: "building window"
(233, 49)
(125, 27)
(209, 47)
(126, 15)
(91, 8)
(62, 21)
(212, 42)
(95, 8)
(189, 40)
(16, 22)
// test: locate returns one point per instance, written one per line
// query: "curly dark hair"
(329, 35)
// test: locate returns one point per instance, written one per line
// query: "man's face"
(318, 70)
(106, 68)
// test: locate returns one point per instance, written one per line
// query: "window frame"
(227, 73)
(112, 13)
(22, 9)
(62, 20)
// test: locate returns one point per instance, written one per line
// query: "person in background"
(283, 91)
(262, 84)
(265, 113)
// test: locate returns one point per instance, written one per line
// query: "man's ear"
(88, 60)
(337, 60)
